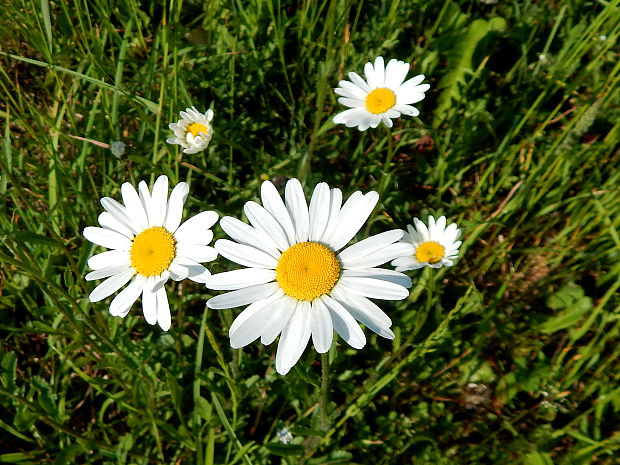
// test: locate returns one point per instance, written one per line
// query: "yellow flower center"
(197, 128)
(380, 100)
(307, 270)
(429, 252)
(152, 251)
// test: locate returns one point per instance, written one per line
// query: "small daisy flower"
(382, 96)
(299, 283)
(149, 245)
(435, 246)
(193, 131)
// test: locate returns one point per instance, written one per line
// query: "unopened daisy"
(435, 246)
(298, 281)
(193, 131)
(381, 97)
(148, 247)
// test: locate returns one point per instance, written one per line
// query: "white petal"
(273, 204)
(178, 272)
(159, 199)
(108, 221)
(243, 296)
(149, 302)
(366, 312)
(109, 258)
(245, 254)
(406, 109)
(374, 288)
(281, 311)
(294, 338)
(107, 238)
(111, 285)
(356, 252)
(381, 274)
(198, 253)
(160, 280)
(351, 218)
(395, 73)
(351, 117)
(122, 303)
(358, 81)
(196, 230)
(246, 234)
(404, 98)
(422, 230)
(382, 256)
(238, 279)
(145, 198)
(334, 210)
(202, 277)
(193, 268)
(106, 272)
(163, 310)
(175, 206)
(431, 227)
(406, 263)
(133, 204)
(344, 324)
(249, 325)
(263, 220)
(319, 211)
(298, 209)
(412, 83)
(120, 213)
(350, 102)
(321, 326)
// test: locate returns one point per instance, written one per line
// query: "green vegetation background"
(509, 357)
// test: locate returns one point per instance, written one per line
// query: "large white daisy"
(382, 96)
(193, 131)
(148, 247)
(435, 246)
(298, 281)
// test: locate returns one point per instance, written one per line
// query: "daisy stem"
(323, 414)
(325, 70)
(385, 176)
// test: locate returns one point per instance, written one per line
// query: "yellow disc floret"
(152, 251)
(429, 252)
(307, 270)
(197, 128)
(380, 100)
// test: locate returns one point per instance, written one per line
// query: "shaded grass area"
(510, 356)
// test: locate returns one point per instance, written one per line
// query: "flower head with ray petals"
(193, 131)
(149, 245)
(300, 281)
(381, 97)
(435, 246)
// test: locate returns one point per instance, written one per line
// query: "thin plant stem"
(325, 71)
(323, 399)
(385, 176)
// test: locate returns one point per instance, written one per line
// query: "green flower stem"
(325, 71)
(323, 398)
(385, 176)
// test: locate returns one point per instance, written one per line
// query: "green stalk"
(323, 399)
(385, 176)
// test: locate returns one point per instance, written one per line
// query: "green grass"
(509, 357)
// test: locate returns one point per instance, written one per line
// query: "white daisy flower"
(435, 246)
(382, 96)
(148, 247)
(298, 281)
(193, 131)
